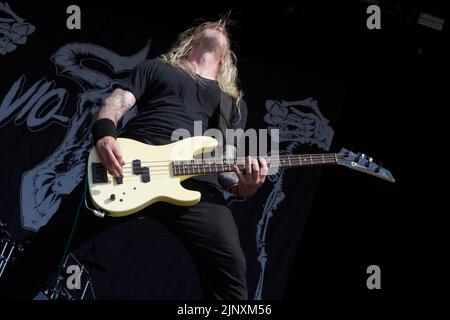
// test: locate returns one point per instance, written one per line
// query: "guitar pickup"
(136, 165)
(119, 179)
(99, 174)
(145, 174)
(143, 171)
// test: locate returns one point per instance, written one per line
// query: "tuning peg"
(378, 169)
(369, 162)
(361, 155)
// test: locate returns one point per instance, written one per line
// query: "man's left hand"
(254, 177)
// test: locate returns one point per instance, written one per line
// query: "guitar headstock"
(363, 163)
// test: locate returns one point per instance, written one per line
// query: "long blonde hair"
(227, 76)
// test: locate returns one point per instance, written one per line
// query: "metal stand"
(9, 247)
(60, 290)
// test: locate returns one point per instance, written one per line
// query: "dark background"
(393, 110)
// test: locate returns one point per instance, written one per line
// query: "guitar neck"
(188, 167)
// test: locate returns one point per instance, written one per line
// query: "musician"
(171, 92)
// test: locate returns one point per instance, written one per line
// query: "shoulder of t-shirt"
(153, 69)
(153, 63)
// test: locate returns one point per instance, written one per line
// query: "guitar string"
(191, 164)
(186, 171)
(315, 155)
(219, 164)
(239, 161)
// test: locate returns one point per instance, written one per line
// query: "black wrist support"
(103, 128)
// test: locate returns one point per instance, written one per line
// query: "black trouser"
(207, 230)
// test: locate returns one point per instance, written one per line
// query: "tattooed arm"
(108, 149)
(116, 105)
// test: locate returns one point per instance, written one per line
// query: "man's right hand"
(109, 153)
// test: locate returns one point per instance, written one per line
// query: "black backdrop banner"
(52, 82)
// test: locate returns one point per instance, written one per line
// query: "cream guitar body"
(134, 192)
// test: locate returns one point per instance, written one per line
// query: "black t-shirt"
(168, 98)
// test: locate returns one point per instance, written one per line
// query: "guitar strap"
(225, 112)
(226, 179)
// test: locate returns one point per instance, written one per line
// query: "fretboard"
(188, 167)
